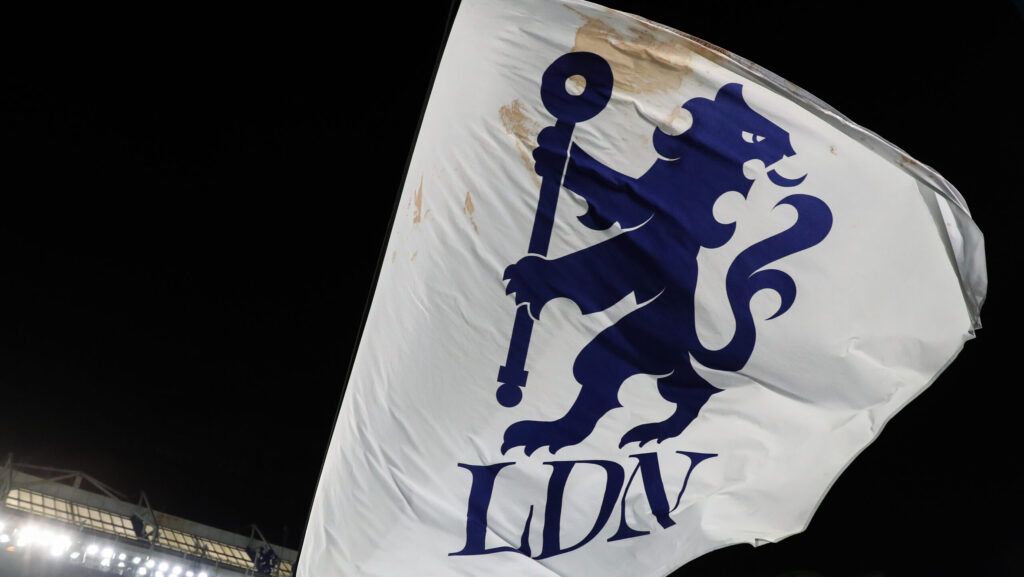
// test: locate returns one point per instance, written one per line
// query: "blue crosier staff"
(551, 156)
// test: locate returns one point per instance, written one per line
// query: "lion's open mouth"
(780, 180)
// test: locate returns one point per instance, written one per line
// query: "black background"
(192, 205)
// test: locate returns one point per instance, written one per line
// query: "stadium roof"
(52, 514)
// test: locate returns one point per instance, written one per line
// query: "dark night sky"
(192, 207)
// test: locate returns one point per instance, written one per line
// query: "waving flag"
(642, 299)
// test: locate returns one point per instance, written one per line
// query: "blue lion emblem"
(666, 217)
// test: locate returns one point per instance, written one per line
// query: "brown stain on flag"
(417, 201)
(525, 130)
(469, 209)
(643, 58)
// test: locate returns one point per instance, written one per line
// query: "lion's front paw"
(526, 282)
(549, 156)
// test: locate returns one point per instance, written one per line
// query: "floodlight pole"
(254, 532)
(144, 501)
(8, 478)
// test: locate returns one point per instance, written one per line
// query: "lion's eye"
(751, 137)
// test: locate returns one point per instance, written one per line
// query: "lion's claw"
(644, 434)
(532, 435)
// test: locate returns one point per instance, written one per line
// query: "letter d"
(556, 493)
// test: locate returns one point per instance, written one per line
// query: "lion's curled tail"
(745, 278)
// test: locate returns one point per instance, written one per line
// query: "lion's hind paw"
(643, 434)
(532, 435)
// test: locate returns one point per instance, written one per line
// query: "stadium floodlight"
(142, 571)
(108, 553)
(92, 549)
(105, 563)
(122, 557)
(75, 554)
(120, 564)
(136, 560)
(189, 574)
(164, 566)
(5, 538)
(202, 574)
(159, 574)
(176, 570)
(59, 545)
(150, 564)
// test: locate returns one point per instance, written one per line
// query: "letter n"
(650, 472)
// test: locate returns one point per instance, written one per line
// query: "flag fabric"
(641, 299)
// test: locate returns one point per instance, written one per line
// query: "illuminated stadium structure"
(51, 525)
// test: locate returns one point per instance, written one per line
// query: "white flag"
(641, 299)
